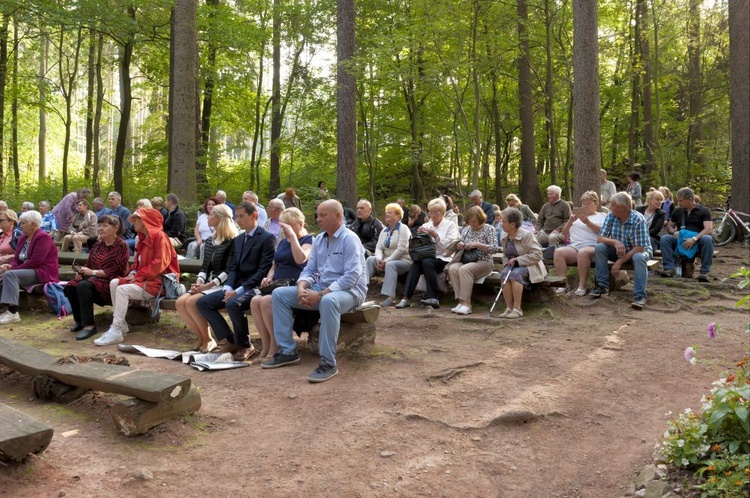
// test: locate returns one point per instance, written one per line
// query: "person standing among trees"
(634, 187)
(66, 209)
(606, 188)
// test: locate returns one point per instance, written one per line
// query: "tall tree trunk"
(126, 103)
(90, 92)
(208, 101)
(257, 128)
(645, 58)
(97, 117)
(495, 124)
(346, 104)
(739, 64)
(657, 100)
(635, 96)
(586, 155)
(43, 52)
(695, 77)
(68, 78)
(274, 184)
(3, 82)
(183, 99)
(477, 136)
(529, 183)
(549, 109)
(14, 110)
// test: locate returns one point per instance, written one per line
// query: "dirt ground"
(567, 402)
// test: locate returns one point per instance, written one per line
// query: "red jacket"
(41, 256)
(154, 254)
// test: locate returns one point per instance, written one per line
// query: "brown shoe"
(228, 348)
(244, 354)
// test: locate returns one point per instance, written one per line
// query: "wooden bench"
(158, 397)
(357, 326)
(68, 258)
(21, 435)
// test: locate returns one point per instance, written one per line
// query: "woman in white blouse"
(202, 230)
(581, 232)
(391, 252)
(445, 235)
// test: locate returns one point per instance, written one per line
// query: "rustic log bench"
(158, 396)
(357, 326)
(21, 435)
(68, 258)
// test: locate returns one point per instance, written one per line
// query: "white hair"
(33, 217)
(554, 188)
(621, 199)
(476, 193)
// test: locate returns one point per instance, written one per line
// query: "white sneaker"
(463, 310)
(8, 317)
(456, 308)
(125, 329)
(111, 336)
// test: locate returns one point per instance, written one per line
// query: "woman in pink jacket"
(35, 262)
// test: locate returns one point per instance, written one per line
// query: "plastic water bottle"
(678, 269)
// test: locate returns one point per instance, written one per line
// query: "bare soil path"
(567, 402)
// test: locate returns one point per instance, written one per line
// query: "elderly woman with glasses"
(391, 252)
(35, 262)
(444, 234)
(9, 236)
(107, 259)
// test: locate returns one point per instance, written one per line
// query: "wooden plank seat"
(550, 280)
(21, 435)
(157, 396)
(118, 379)
(68, 258)
(357, 326)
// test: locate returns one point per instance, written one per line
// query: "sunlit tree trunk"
(14, 110)
(42, 141)
(645, 57)
(183, 100)
(96, 166)
(346, 102)
(739, 64)
(695, 76)
(586, 154)
(529, 183)
(274, 184)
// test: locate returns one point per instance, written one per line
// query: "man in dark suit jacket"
(253, 256)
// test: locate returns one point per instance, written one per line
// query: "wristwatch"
(695, 239)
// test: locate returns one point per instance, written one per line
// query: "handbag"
(282, 282)
(682, 236)
(421, 247)
(470, 256)
(170, 288)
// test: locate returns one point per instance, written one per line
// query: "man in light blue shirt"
(333, 282)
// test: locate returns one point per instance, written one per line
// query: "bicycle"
(726, 225)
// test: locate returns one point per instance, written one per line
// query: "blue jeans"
(209, 306)
(668, 245)
(604, 253)
(331, 308)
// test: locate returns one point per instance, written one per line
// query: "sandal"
(561, 290)
(580, 292)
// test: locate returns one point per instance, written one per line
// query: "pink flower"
(712, 330)
(689, 351)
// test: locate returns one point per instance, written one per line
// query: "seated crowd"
(261, 260)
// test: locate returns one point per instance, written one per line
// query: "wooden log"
(351, 335)
(133, 416)
(21, 435)
(48, 388)
(143, 384)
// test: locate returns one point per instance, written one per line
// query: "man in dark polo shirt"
(694, 217)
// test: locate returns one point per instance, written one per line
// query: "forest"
(448, 95)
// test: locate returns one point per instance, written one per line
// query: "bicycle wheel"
(724, 231)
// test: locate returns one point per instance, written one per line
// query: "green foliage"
(715, 443)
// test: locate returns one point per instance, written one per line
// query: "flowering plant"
(716, 441)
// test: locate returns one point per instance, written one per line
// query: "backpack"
(57, 300)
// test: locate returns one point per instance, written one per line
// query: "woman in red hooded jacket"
(154, 256)
(35, 262)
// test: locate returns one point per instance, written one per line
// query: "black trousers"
(82, 298)
(431, 268)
